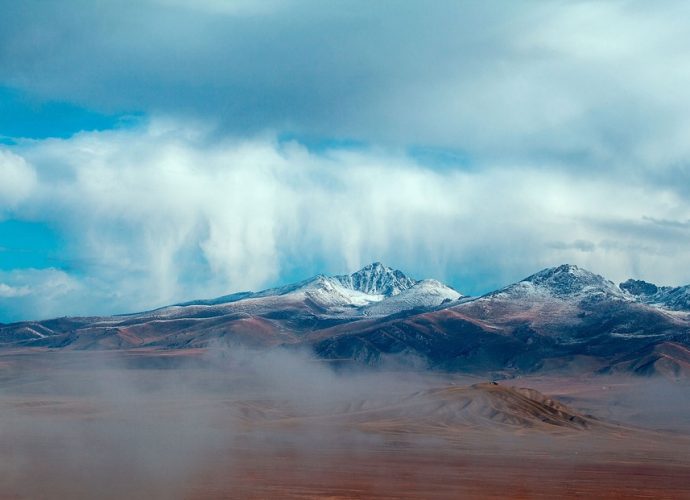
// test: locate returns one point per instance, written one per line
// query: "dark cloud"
(294, 64)
(587, 83)
(683, 225)
(581, 245)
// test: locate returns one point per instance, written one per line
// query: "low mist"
(177, 424)
(146, 425)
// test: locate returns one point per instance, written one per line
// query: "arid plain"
(235, 423)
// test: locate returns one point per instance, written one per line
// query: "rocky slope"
(561, 318)
(673, 298)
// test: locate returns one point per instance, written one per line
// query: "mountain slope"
(669, 359)
(673, 298)
(561, 318)
(269, 317)
(423, 294)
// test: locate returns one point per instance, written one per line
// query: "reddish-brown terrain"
(242, 424)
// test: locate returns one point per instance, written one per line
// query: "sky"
(156, 151)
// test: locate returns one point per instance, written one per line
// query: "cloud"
(44, 293)
(573, 85)
(169, 211)
(7, 291)
(581, 245)
(17, 179)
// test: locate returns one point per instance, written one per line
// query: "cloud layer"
(586, 84)
(167, 212)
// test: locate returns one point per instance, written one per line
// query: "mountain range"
(563, 319)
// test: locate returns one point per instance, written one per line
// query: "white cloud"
(7, 291)
(160, 214)
(45, 293)
(17, 179)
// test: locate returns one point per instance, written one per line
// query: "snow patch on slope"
(667, 297)
(427, 293)
(329, 292)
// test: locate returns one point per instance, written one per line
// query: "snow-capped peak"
(377, 279)
(569, 279)
(562, 281)
(373, 290)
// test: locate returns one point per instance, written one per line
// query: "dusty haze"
(229, 422)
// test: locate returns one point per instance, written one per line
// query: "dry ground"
(185, 425)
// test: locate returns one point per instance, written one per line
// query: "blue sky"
(22, 116)
(160, 150)
(28, 244)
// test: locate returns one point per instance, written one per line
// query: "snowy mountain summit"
(376, 290)
(563, 282)
(567, 279)
(377, 279)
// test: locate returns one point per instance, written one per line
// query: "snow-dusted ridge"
(563, 282)
(377, 290)
(564, 313)
(426, 293)
(668, 297)
(570, 284)
(374, 290)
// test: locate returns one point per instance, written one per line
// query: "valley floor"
(227, 425)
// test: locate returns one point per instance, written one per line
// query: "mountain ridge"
(563, 317)
(674, 298)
